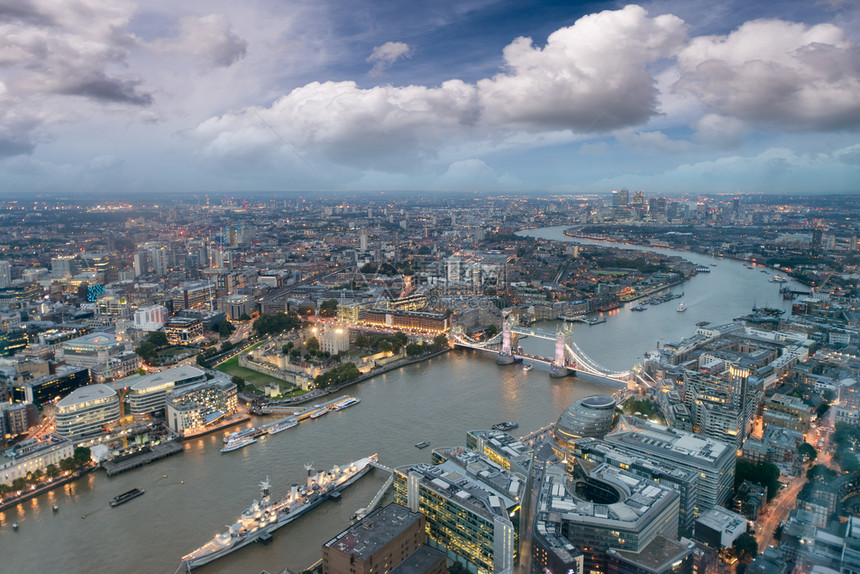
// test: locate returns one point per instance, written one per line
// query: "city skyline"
(668, 97)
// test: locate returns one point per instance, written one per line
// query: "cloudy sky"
(128, 97)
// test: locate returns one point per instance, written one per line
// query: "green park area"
(259, 380)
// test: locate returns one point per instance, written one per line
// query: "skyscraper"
(5, 274)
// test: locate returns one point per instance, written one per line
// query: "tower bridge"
(567, 358)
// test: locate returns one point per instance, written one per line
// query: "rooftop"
(419, 561)
(369, 535)
(722, 520)
(168, 376)
(94, 339)
(86, 394)
(669, 442)
(476, 482)
(657, 556)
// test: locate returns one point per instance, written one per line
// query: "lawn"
(257, 379)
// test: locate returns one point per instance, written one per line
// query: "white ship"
(681, 308)
(264, 516)
(347, 403)
(236, 444)
(282, 426)
(251, 431)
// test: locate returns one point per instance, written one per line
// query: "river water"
(436, 401)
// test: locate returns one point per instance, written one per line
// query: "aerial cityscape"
(477, 287)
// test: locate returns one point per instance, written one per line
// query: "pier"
(151, 454)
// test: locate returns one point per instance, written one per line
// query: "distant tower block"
(557, 369)
(506, 357)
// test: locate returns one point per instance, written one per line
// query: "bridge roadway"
(575, 360)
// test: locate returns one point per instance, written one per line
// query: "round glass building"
(588, 417)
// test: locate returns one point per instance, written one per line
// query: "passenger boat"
(238, 443)
(265, 516)
(319, 413)
(422, 444)
(282, 426)
(681, 308)
(505, 426)
(351, 401)
(252, 431)
(126, 496)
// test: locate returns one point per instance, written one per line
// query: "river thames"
(435, 401)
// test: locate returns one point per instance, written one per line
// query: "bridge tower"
(557, 369)
(506, 356)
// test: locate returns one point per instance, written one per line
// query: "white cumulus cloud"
(776, 73)
(589, 77)
(383, 56)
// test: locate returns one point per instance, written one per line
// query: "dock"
(151, 454)
(301, 413)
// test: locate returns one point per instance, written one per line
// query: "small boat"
(703, 323)
(505, 426)
(238, 443)
(681, 308)
(14, 526)
(359, 514)
(527, 367)
(126, 496)
(639, 308)
(713, 264)
(422, 444)
(55, 508)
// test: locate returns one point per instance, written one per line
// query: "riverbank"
(574, 235)
(43, 488)
(318, 393)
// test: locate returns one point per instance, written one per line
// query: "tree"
(287, 348)
(201, 360)
(51, 471)
(19, 484)
(807, 452)
(225, 328)
(82, 455)
(68, 464)
(491, 331)
(239, 382)
(820, 473)
(272, 323)
(413, 349)
(362, 342)
(440, 341)
(328, 308)
(35, 477)
(312, 345)
(157, 338)
(226, 346)
(745, 547)
(764, 473)
(146, 351)
(244, 317)
(4, 490)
